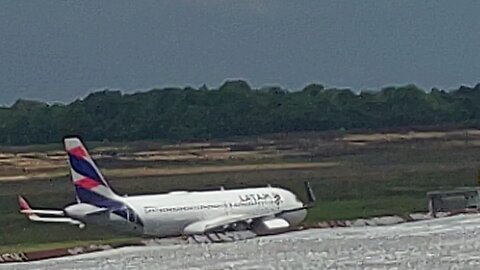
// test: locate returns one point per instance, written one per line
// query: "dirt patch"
(412, 135)
(214, 169)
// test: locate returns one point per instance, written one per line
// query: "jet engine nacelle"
(270, 226)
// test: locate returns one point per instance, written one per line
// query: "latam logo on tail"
(264, 210)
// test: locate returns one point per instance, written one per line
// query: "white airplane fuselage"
(168, 214)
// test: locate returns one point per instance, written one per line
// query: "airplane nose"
(294, 218)
(300, 215)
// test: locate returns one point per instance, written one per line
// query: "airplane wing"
(203, 226)
(271, 221)
(33, 215)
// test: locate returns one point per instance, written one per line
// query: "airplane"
(265, 210)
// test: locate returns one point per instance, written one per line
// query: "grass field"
(353, 175)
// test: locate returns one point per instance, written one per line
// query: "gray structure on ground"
(455, 200)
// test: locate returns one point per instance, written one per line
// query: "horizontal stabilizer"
(98, 211)
(55, 220)
(33, 214)
(43, 212)
(27, 210)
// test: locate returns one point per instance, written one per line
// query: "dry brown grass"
(411, 135)
(283, 152)
(141, 172)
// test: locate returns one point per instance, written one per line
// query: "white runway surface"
(447, 243)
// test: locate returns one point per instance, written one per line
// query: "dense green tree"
(234, 109)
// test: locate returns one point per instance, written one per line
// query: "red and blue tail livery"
(90, 185)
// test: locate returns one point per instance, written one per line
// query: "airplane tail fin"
(90, 185)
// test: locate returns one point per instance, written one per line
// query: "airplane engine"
(295, 217)
(270, 226)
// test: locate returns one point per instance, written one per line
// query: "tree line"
(234, 109)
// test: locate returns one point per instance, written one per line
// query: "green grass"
(373, 180)
(26, 247)
(351, 209)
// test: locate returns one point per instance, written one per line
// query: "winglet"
(310, 194)
(23, 203)
(24, 206)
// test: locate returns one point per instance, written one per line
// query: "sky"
(62, 50)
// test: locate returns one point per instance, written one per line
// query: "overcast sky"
(61, 50)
